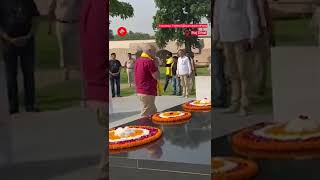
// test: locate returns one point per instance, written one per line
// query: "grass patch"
(203, 71)
(294, 32)
(59, 96)
(47, 50)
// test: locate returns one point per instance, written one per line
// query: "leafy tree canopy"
(120, 9)
(179, 12)
(133, 36)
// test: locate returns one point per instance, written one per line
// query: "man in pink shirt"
(146, 76)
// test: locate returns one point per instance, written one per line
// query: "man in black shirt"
(114, 72)
(175, 79)
(17, 26)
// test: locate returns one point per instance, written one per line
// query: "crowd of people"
(180, 72)
(243, 37)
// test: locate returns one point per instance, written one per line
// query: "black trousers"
(115, 81)
(168, 78)
(26, 56)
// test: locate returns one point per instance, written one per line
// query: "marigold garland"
(245, 142)
(246, 170)
(157, 119)
(172, 123)
(154, 135)
(276, 155)
(192, 108)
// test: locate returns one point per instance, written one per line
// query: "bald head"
(148, 49)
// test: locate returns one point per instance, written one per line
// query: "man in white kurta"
(236, 26)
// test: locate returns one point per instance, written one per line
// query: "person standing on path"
(169, 63)
(218, 62)
(129, 65)
(194, 72)
(236, 26)
(146, 78)
(66, 16)
(94, 46)
(184, 71)
(316, 21)
(18, 23)
(262, 50)
(114, 73)
(175, 79)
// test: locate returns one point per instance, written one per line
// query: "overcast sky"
(142, 20)
(144, 10)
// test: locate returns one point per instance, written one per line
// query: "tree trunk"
(188, 46)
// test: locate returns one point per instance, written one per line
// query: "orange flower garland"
(171, 123)
(246, 143)
(154, 134)
(244, 170)
(171, 117)
(193, 108)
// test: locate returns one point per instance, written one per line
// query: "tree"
(121, 9)
(179, 12)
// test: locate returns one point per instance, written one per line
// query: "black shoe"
(15, 111)
(119, 96)
(219, 105)
(32, 110)
(232, 109)
(113, 96)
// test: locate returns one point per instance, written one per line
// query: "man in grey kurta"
(236, 26)
(262, 51)
(316, 21)
(66, 15)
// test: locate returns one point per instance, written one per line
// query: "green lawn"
(59, 96)
(294, 33)
(47, 51)
(203, 71)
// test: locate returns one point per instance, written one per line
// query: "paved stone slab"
(296, 82)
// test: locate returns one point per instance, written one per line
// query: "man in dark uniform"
(17, 26)
(114, 74)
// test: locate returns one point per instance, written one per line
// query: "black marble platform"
(292, 169)
(182, 149)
